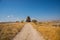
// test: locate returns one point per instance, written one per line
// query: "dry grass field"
(50, 30)
(9, 30)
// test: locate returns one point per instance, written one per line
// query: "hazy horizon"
(17, 10)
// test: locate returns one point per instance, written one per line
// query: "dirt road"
(28, 33)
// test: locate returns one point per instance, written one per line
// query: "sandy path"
(28, 33)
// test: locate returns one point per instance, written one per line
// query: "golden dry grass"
(9, 30)
(50, 31)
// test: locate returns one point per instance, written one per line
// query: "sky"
(13, 10)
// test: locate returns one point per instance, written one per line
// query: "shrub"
(22, 21)
(17, 21)
(34, 21)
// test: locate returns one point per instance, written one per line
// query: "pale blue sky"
(11, 10)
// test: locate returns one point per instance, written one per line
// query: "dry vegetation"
(9, 30)
(50, 30)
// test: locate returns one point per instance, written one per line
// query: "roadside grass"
(9, 30)
(50, 31)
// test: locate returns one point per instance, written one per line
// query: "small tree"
(17, 21)
(34, 21)
(28, 19)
